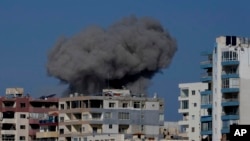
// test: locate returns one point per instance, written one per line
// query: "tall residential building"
(228, 77)
(19, 114)
(114, 115)
(190, 109)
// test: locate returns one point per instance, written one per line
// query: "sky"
(29, 29)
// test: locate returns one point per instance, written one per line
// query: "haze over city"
(29, 29)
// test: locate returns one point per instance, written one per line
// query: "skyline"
(30, 29)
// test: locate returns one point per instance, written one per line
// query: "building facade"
(190, 109)
(228, 79)
(48, 128)
(19, 115)
(114, 115)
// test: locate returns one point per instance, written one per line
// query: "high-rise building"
(19, 114)
(190, 109)
(114, 115)
(228, 77)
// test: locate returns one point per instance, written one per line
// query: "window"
(85, 116)
(111, 105)
(195, 104)
(193, 117)
(136, 104)
(61, 131)
(161, 117)
(96, 115)
(184, 104)
(108, 115)
(193, 92)
(22, 116)
(123, 115)
(22, 138)
(61, 119)
(62, 106)
(193, 129)
(124, 105)
(22, 126)
(22, 105)
(110, 126)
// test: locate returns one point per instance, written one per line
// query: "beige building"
(114, 115)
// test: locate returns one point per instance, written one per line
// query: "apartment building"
(114, 115)
(228, 79)
(190, 109)
(20, 114)
(48, 128)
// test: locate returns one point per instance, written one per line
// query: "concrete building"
(114, 115)
(228, 77)
(19, 114)
(190, 109)
(48, 128)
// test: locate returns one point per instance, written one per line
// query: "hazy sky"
(28, 29)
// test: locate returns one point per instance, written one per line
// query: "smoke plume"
(126, 54)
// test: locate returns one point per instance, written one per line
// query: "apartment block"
(226, 100)
(48, 128)
(20, 114)
(114, 115)
(190, 109)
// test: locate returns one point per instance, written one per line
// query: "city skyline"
(30, 29)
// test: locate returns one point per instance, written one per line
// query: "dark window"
(111, 105)
(61, 119)
(22, 138)
(62, 106)
(195, 104)
(22, 126)
(22, 105)
(193, 92)
(22, 116)
(61, 131)
(193, 129)
(110, 126)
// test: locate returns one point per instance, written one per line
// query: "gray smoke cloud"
(128, 53)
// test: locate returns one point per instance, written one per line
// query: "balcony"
(51, 134)
(232, 116)
(206, 118)
(206, 77)
(206, 105)
(206, 92)
(180, 98)
(33, 131)
(206, 132)
(206, 64)
(225, 130)
(182, 110)
(230, 62)
(230, 90)
(230, 102)
(230, 75)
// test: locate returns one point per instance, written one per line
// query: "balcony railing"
(206, 64)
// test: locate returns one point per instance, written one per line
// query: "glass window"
(123, 115)
(111, 105)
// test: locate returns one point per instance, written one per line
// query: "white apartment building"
(190, 109)
(111, 116)
(228, 69)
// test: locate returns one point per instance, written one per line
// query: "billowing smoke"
(126, 54)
